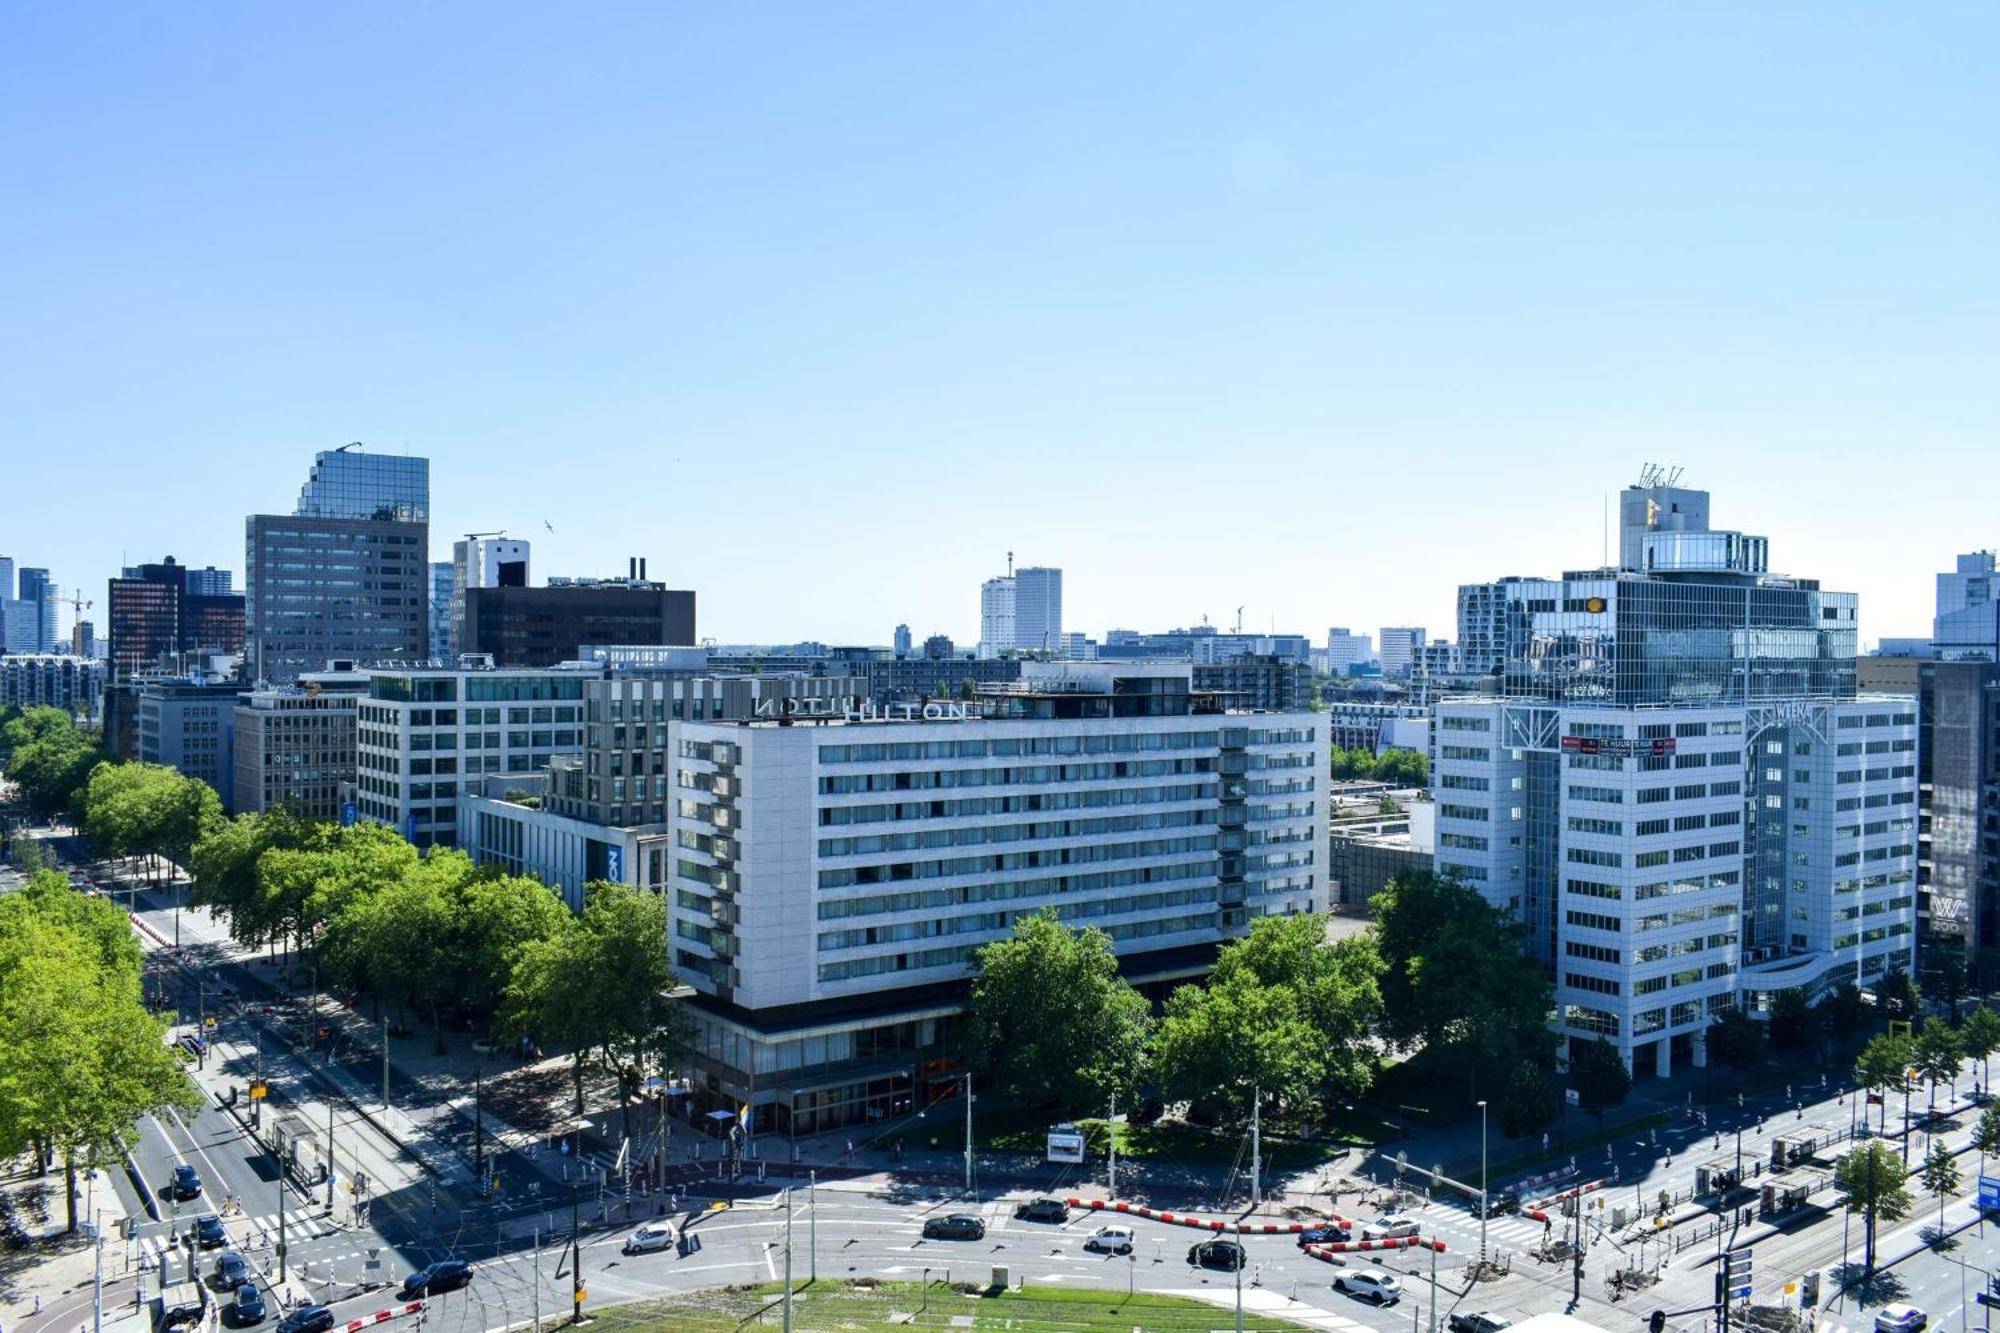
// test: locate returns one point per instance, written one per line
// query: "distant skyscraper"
(442, 581)
(1967, 628)
(902, 640)
(1021, 609)
(31, 620)
(1400, 644)
(483, 562)
(348, 575)
(1038, 609)
(209, 581)
(346, 484)
(1345, 651)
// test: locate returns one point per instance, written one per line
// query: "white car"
(1900, 1319)
(652, 1236)
(1110, 1240)
(1370, 1284)
(1391, 1226)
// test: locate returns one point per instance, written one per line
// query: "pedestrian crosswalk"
(1458, 1227)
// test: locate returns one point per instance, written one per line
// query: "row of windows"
(861, 937)
(849, 969)
(973, 807)
(891, 751)
(1002, 861)
(980, 835)
(1031, 775)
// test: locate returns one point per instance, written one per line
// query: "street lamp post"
(1482, 1189)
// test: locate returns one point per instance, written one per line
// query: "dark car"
(955, 1226)
(1325, 1233)
(1496, 1204)
(208, 1232)
(232, 1269)
(248, 1308)
(307, 1319)
(1224, 1254)
(444, 1275)
(1043, 1210)
(187, 1182)
(1480, 1321)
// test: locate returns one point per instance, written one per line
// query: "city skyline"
(1308, 273)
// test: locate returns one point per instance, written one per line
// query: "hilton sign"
(849, 709)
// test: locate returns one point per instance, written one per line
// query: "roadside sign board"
(1065, 1144)
(1989, 1193)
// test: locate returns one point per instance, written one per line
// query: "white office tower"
(996, 616)
(832, 878)
(1680, 795)
(480, 560)
(1345, 651)
(1401, 645)
(1967, 628)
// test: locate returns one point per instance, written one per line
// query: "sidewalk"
(58, 1268)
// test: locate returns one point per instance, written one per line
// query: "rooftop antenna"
(1010, 564)
(354, 444)
(1239, 620)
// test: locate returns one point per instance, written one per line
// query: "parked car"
(1224, 1254)
(187, 1183)
(307, 1319)
(248, 1307)
(1369, 1284)
(1482, 1321)
(1324, 1233)
(444, 1275)
(652, 1236)
(1043, 1210)
(1110, 1240)
(955, 1226)
(232, 1269)
(1900, 1318)
(208, 1232)
(1391, 1226)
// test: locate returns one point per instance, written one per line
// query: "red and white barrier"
(1588, 1187)
(1533, 1183)
(384, 1316)
(1327, 1251)
(1200, 1224)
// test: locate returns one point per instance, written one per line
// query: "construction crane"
(78, 605)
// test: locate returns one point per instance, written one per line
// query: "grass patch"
(843, 1307)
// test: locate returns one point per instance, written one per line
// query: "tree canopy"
(1456, 978)
(1051, 1023)
(1598, 1075)
(1872, 1178)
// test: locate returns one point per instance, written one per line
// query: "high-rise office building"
(1958, 856)
(996, 616)
(1400, 646)
(1679, 792)
(208, 581)
(540, 627)
(348, 576)
(155, 622)
(1038, 609)
(483, 561)
(902, 641)
(294, 745)
(1967, 626)
(443, 580)
(345, 483)
(38, 612)
(1345, 651)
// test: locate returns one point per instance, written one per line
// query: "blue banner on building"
(350, 814)
(614, 864)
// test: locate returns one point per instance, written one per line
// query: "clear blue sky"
(1315, 309)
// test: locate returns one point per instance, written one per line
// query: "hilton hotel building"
(832, 875)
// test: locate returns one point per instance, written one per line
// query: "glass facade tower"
(344, 484)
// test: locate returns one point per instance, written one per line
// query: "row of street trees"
(1288, 1012)
(80, 1058)
(1401, 768)
(48, 756)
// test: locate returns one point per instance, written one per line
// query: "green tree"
(224, 864)
(1986, 1134)
(550, 998)
(1898, 996)
(80, 1059)
(1944, 977)
(502, 915)
(1872, 1178)
(1598, 1075)
(1403, 768)
(1842, 1013)
(1050, 1021)
(1936, 1054)
(1980, 1034)
(1456, 980)
(1940, 1176)
(1528, 1105)
(1881, 1067)
(1737, 1040)
(51, 760)
(1794, 1026)
(628, 930)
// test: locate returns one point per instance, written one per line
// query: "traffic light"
(1657, 1322)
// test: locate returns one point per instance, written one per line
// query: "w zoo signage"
(1065, 1144)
